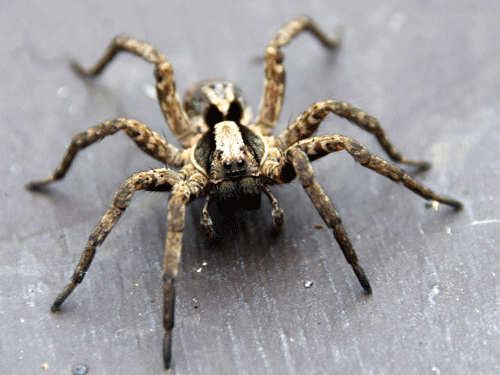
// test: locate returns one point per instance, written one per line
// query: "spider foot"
(363, 280)
(80, 70)
(425, 165)
(277, 211)
(421, 165)
(336, 37)
(56, 305)
(167, 350)
(434, 204)
(38, 185)
(453, 203)
(277, 220)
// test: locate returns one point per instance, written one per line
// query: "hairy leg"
(307, 124)
(274, 83)
(165, 86)
(154, 180)
(206, 221)
(303, 168)
(297, 162)
(182, 194)
(277, 211)
(318, 147)
(147, 140)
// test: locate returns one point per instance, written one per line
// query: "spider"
(227, 158)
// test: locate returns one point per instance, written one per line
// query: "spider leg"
(277, 211)
(318, 147)
(160, 179)
(182, 194)
(206, 221)
(297, 162)
(147, 140)
(300, 161)
(274, 83)
(165, 86)
(307, 124)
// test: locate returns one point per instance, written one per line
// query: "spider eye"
(220, 155)
(213, 116)
(235, 112)
(227, 165)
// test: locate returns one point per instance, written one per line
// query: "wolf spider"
(227, 158)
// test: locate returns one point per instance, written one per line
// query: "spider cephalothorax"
(229, 159)
(233, 163)
(229, 153)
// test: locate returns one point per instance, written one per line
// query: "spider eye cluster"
(239, 163)
(228, 165)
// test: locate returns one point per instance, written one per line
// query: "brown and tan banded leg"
(320, 146)
(307, 124)
(147, 140)
(303, 168)
(274, 83)
(161, 179)
(206, 221)
(182, 194)
(165, 86)
(277, 211)
(304, 152)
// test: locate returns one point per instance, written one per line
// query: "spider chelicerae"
(227, 158)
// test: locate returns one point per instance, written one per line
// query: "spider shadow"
(67, 209)
(240, 234)
(100, 96)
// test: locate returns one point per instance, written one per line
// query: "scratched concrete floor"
(428, 70)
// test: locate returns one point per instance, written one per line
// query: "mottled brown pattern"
(307, 124)
(165, 86)
(274, 84)
(154, 180)
(227, 159)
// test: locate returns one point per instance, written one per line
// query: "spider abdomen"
(210, 102)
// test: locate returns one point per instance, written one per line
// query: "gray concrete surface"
(429, 70)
